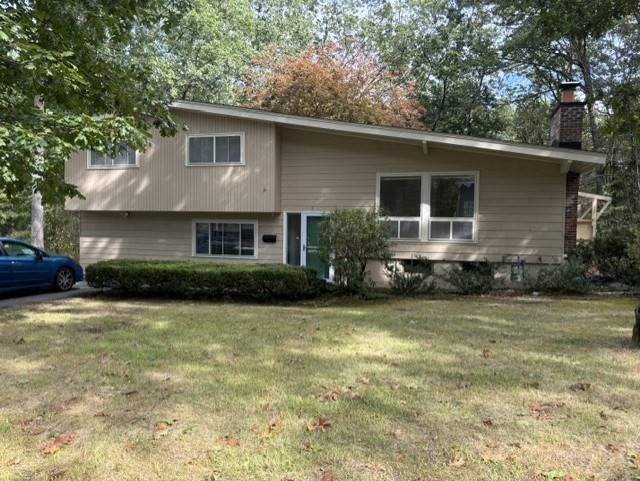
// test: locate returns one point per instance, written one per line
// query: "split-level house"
(246, 185)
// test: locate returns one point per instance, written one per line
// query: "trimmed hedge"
(190, 279)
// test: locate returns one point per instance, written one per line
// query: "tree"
(74, 58)
(328, 83)
(349, 239)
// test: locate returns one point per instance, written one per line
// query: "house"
(245, 185)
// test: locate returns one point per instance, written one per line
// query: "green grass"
(144, 390)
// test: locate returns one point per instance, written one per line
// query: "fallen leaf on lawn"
(34, 431)
(516, 445)
(275, 423)
(373, 466)
(464, 384)
(13, 462)
(397, 433)
(458, 461)
(322, 424)
(546, 406)
(492, 443)
(487, 422)
(131, 392)
(227, 440)
(161, 426)
(57, 409)
(487, 353)
(492, 341)
(327, 477)
(57, 443)
(359, 440)
(412, 386)
(269, 407)
(605, 416)
(329, 396)
(363, 380)
(581, 386)
(20, 341)
(492, 458)
(533, 385)
(395, 387)
(613, 448)
(399, 457)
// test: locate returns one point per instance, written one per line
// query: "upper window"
(453, 207)
(237, 239)
(125, 158)
(400, 202)
(215, 149)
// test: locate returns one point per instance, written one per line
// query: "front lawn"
(426, 389)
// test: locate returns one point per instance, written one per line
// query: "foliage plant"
(411, 276)
(613, 254)
(187, 279)
(331, 83)
(349, 239)
(566, 278)
(473, 277)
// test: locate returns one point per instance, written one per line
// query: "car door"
(27, 265)
(6, 277)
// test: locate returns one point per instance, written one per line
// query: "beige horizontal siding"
(520, 207)
(163, 182)
(166, 235)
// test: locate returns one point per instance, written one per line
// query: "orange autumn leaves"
(330, 83)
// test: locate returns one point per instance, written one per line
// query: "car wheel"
(65, 279)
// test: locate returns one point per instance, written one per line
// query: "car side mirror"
(39, 255)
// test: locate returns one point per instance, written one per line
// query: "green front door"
(312, 246)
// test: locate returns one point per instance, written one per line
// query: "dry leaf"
(327, 477)
(322, 424)
(329, 396)
(492, 341)
(399, 457)
(395, 387)
(34, 431)
(373, 466)
(492, 443)
(269, 407)
(57, 409)
(412, 386)
(19, 341)
(464, 384)
(57, 443)
(613, 448)
(487, 353)
(488, 422)
(233, 441)
(458, 461)
(605, 416)
(132, 392)
(581, 386)
(275, 423)
(492, 458)
(363, 380)
(516, 445)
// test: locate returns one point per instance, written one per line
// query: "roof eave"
(584, 160)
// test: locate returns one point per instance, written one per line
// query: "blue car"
(23, 266)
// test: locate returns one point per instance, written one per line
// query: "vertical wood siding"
(162, 182)
(520, 202)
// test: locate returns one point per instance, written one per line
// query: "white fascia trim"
(551, 154)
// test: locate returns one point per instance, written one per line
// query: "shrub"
(614, 253)
(207, 280)
(473, 277)
(567, 278)
(349, 238)
(411, 277)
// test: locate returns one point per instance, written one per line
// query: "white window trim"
(224, 221)
(214, 163)
(112, 167)
(425, 204)
(423, 212)
(476, 191)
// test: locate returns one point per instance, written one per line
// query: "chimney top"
(567, 91)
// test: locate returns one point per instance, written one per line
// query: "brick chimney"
(566, 131)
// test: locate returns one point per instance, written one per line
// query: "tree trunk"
(37, 220)
(636, 329)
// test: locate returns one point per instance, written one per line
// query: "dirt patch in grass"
(437, 389)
